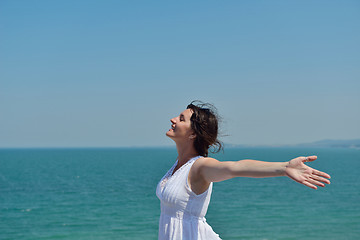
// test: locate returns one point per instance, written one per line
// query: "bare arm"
(213, 170)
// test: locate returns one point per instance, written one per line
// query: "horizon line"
(227, 145)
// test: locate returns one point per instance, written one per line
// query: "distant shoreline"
(328, 143)
(348, 144)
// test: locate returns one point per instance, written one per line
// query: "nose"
(173, 121)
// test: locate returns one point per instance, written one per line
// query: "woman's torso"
(182, 211)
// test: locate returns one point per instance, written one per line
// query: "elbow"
(242, 168)
(234, 170)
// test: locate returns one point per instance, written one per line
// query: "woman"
(185, 190)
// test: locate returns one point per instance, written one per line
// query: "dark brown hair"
(205, 124)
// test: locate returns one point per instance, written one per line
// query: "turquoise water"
(110, 194)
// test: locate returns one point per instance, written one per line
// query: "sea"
(109, 193)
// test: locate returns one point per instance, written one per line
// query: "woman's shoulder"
(204, 162)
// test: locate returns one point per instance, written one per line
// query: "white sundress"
(182, 211)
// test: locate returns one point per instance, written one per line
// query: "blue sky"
(112, 73)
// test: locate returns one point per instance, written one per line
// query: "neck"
(185, 152)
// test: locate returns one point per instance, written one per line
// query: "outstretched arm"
(212, 170)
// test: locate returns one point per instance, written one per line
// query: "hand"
(301, 173)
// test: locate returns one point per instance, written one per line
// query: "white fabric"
(182, 211)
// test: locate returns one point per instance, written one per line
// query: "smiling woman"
(203, 121)
(185, 190)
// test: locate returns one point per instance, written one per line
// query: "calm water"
(110, 194)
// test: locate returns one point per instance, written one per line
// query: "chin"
(169, 134)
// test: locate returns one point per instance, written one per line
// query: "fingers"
(313, 181)
(306, 183)
(309, 158)
(320, 179)
(321, 174)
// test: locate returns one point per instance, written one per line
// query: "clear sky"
(112, 73)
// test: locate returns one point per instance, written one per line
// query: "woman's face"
(181, 126)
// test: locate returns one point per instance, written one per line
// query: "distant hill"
(328, 143)
(355, 143)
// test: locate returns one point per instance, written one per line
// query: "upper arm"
(212, 170)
